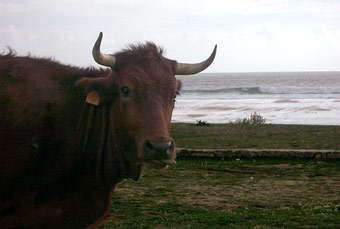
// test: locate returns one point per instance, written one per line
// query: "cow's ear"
(93, 98)
(92, 86)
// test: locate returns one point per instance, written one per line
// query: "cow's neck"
(103, 144)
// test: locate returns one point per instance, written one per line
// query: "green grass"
(229, 193)
(235, 136)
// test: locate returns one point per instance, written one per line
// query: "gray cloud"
(252, 35)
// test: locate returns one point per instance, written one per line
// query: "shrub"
(202, 123)
(254, 119)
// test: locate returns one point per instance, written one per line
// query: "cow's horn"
(100, 58)
(189, 69)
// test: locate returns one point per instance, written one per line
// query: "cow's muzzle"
(160, 151)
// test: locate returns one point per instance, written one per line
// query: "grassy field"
(236, 136)
(236, 193)
(229, 193)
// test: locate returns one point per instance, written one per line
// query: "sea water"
(311, 98)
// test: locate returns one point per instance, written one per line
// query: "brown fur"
(60, 158)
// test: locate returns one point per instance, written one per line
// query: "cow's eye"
(125, 91)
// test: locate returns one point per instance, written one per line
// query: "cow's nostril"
(158, 150)
(148, 147)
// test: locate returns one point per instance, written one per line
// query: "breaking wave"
(265, 90)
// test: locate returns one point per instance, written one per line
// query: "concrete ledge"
(254, 153)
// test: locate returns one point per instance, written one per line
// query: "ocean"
(308, 98)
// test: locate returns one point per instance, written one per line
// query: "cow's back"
(26, 91)
(30, 103)
(38, 98)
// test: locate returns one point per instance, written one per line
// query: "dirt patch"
(205, 196)
(277, 166)
(234, 171)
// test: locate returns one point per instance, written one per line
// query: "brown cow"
(69, 135)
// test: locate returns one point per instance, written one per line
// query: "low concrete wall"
(253, 153)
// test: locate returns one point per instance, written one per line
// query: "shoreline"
(274, 111)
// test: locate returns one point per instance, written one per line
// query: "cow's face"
(146, 100)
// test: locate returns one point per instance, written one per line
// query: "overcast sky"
(252, 35)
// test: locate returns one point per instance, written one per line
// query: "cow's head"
(145, 86)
